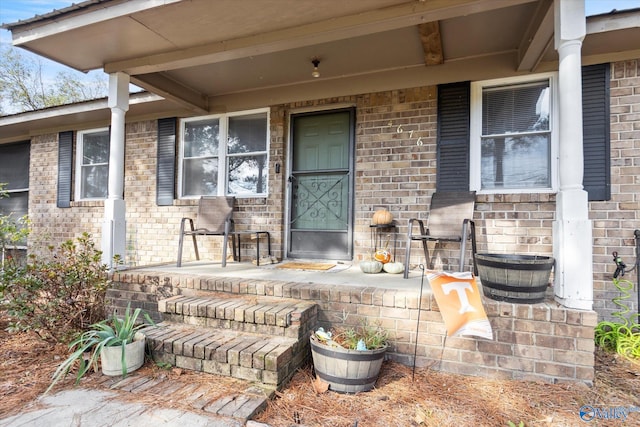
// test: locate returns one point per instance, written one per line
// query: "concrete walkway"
(142, 400)
(101, 408)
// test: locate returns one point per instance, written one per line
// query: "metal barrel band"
(502, 264)
(355, 356)
(346, 381)
(508, 288)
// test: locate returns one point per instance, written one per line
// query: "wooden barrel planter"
(514, 278)
(346, 371)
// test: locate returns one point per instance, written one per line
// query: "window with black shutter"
(453, 137)
(453, 150)
(595, 128)
(65, 169)
(166, 161)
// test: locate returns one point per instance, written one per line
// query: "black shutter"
(595, 128)
(453, 137)
(166, 161)
(65, 168)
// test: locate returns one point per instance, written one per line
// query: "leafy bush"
(56, 294)
(622, 337)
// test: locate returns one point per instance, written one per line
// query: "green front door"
(321, 186)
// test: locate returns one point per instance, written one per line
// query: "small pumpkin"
(381, 217)
(382, 255)
(371, 266)
(393, 267)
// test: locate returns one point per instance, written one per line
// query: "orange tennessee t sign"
(459, 301)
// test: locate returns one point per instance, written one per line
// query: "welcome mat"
(306, 266)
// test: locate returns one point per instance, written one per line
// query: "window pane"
(95, 148)
(200, 177)
(14, 165)
(247, 174)
(247, 134)
(516, 162)
(16, 204)
(94, 181)
(515, 109)
(201, 138)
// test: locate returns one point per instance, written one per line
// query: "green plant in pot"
(117, 341)
(349, 358)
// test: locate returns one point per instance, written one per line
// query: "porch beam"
(340, 28)
(538, 37)
(431, 43)
(168, 88)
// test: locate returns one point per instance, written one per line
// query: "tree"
(24, 86)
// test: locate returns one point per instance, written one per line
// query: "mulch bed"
(430, 399)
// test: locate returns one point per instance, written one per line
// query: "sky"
(13, 10)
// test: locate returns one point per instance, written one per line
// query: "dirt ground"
(430, 398)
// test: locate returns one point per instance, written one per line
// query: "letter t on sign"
(460, 289)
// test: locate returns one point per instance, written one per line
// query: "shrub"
(56, 294)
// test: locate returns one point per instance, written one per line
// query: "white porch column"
(114, 226)
(572, 239)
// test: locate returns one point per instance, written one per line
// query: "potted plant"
(118, 343)
(349, 359)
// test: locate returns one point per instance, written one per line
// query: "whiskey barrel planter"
(514, 278)
(346, 371)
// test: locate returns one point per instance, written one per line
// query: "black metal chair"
(450, 220)
(215, 218)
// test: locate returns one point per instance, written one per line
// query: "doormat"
(306, 266)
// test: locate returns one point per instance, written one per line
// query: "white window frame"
(476, 132)
(222, 152)
(79, 164)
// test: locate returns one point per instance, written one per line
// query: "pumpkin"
(371, 267)
(381, 217)
(382, 255)
(393, 267)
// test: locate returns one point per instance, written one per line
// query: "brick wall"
(395, 168)
(543, 342)
(49, 224)
(614, 221)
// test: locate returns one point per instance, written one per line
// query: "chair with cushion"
(215, 218)
(450, 220)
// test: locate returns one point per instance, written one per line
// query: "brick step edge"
(288, 318)
(270, 360)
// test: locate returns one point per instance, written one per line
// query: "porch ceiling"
(200, 53)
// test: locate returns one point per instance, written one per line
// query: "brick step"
(277, 317)
(263, 358)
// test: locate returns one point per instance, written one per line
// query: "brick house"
(425, 96)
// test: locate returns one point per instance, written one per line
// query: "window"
(92, 164)
(14, 172)
(209, 166)
(512, 135)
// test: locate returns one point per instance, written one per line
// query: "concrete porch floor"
(343, 273)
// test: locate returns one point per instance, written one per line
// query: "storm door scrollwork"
(320, 201)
